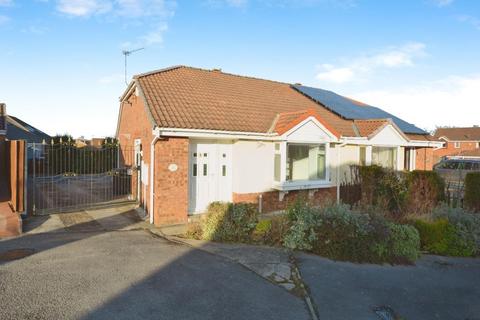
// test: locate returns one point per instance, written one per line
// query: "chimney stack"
(3, 120)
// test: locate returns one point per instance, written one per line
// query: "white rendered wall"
(252, 166)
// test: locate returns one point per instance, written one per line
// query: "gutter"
(218, 134)
(156, 134)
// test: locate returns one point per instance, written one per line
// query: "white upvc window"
(301, 165)
(306, 162)
(456, 145)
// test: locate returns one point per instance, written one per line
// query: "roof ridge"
(140, 75)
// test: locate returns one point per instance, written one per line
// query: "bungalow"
(205, 135)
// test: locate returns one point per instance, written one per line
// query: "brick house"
(205, 135)
(457, 141)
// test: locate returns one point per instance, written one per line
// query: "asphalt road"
(435, 288)
(132, 275)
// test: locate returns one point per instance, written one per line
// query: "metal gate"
(64, 177)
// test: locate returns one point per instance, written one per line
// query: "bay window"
(306, 162)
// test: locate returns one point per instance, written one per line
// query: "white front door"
(210, 174)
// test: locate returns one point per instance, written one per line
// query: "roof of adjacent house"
(20, 130)
(459, 134)
(193, 98)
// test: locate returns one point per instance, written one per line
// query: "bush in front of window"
(472, 191)
(338, 233)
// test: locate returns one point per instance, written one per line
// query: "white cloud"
(336, 75)
(149, 15)
(392, 57)
(83, 8)
(442, 3)
(453, 101)
(475, 22)
(6, 3)
(4, 20)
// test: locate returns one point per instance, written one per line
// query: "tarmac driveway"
(436, 288)
(86, 271)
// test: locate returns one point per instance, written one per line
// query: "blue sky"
(61, 67)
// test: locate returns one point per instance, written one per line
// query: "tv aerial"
(126, 53)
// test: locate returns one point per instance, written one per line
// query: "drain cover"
(385, 313)
(16, 254)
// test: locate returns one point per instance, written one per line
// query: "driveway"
(104, 265)
(436, 288)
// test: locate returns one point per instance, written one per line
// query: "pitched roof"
(191, 98)
(186, 97)
(459, 134)
(368, 127)
(287, 120)
(20, 130)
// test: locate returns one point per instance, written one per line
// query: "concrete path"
(436, 288)
(102, 265)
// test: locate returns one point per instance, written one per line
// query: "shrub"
(444, 238)
(383, 189)
(271, 231)
(467, 224)
(229, 222)
(338, 233)
(404, 243)
(472, 191)
(303, 219)
(425, 190)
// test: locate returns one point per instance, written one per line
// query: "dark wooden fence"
(16, 168)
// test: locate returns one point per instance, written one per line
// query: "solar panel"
(353, 110)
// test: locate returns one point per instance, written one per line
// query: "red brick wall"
(271, 200)
(134, 123)
(171, 187)
(450, 149)
(425, 159)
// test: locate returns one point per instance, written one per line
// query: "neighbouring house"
(20, 130)
(205, 135)
(457, 141)
(82, 142)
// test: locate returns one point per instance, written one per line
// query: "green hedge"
(338, 233)
(472, 191)
(444, 238)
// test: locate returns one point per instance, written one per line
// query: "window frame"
(287, 185)
(456, 145)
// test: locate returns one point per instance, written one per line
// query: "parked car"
(453, 171)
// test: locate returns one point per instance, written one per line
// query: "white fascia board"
(412, 143)
(214, 134)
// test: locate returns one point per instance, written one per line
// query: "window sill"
(302, 185)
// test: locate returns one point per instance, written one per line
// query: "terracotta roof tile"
(368, 127)
(185, 97)
(459, 134)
